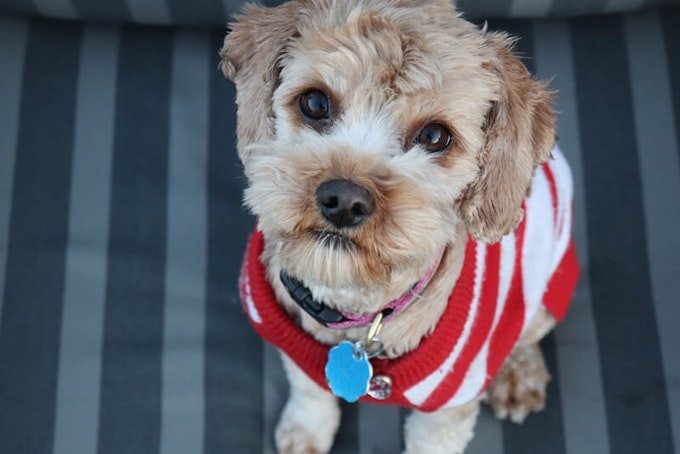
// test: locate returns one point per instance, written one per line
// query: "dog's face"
(369, 130)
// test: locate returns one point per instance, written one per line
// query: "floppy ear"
(250, 58)
(519, 135)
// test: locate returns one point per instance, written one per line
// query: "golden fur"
(388, 68)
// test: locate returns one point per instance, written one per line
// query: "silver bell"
(380, 387)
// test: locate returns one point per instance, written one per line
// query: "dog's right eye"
(315, 105)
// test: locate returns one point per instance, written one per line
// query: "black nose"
(344, 203)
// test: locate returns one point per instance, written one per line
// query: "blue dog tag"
(348, 371)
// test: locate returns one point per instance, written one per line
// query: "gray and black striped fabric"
(121, 237)
(219, 12)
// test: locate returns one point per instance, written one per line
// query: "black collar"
(303, 297)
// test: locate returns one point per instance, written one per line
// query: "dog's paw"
(297, 439)
(519, 388)
(445, 431)
(307, 427)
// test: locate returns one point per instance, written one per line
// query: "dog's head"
(370, 129)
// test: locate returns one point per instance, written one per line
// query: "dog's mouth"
(333, 240)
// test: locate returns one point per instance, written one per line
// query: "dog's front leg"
(310, 418)
(446, 431)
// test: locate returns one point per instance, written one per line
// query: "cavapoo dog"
(413, 239)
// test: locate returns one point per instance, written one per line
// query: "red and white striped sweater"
(499, 291)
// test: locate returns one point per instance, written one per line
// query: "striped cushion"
(121, 237)
(219, 12)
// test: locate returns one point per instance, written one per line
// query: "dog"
(413, 239)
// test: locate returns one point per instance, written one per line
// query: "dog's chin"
(330, 259)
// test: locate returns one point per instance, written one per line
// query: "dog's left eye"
(434, 137)
(315, 105)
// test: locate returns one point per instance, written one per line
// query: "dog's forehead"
(393, 48)
(373, 57)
